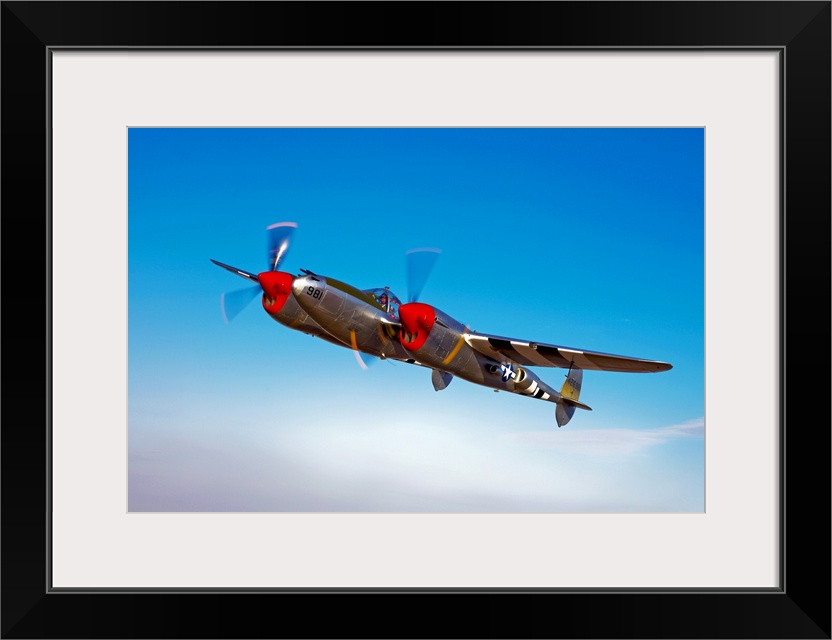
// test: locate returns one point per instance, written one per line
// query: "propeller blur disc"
(364, 360)
(233, 302)
(419, 265)
(279, 235)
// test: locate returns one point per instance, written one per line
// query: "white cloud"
(608, 442)
(464, 467)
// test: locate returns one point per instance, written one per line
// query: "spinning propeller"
(419, 263)
(275, 285)
(416, 317)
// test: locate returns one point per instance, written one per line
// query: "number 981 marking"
(315, 293)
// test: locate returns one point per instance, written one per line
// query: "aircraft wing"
(537, 354)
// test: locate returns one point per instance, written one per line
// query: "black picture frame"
(800, 608)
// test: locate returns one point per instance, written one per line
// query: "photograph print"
(416, 320)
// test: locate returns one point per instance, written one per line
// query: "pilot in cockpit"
(388, 301)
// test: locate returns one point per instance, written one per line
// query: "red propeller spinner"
(417, 320)
(277, 287)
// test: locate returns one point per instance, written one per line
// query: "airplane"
(375, 322)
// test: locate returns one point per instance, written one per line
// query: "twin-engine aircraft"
(377, 323)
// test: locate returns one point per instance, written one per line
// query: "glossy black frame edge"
(800, 609)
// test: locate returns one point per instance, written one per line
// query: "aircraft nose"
(307, 285)
(299, 285)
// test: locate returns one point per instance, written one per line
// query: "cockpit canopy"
(387, 299)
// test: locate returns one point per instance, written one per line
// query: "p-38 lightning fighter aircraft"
(376, 322)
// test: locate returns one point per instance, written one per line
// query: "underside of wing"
(537, 354)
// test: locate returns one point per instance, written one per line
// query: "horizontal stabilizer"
(575, 403)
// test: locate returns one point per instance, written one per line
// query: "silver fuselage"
(293, 316)
(354, 318)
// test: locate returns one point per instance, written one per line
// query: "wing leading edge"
(537, 354)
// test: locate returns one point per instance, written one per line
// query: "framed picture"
(138, 123)
(391, 451)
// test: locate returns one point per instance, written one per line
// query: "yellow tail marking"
(458, 346)
(569, 390)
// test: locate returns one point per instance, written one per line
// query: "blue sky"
(589, 238)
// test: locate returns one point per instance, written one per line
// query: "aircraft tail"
(569, 393)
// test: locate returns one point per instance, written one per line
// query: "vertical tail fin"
(570, 392)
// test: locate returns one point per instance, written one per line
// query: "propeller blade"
(232, 302)
(236, 271)
(364, 360)
(419, 265)
(279, 235)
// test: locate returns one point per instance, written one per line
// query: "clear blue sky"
(589, 238)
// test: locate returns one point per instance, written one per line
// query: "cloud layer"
(609, 442)
(420, 469)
